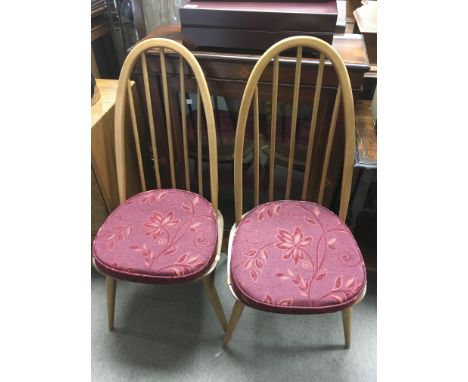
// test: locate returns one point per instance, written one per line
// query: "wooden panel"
(103, 153)
(366, 135)
(350, 47)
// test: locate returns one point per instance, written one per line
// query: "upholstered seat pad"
(158, 236)
(296, 257)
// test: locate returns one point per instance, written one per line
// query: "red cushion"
(296, 257)
(158, 236)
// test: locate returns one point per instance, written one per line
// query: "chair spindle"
(149, 107)
(183, 113)
(167, 111)
(331, 135)
(313, 125)
(136, 135)
(256, 150)
(292, 141)
(199, 144)
(274, 102)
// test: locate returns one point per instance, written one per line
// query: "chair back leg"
(235, 316)
(111, 285)
(346, 316)
(208, 282)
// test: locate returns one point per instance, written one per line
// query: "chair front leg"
(111, 285)
(208, 282)
(346, 316)
(235, 316)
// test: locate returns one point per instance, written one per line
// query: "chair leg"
(235, 315)
(111, 284)
(208, 282)
(346, 316)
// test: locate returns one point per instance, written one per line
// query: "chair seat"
(158, 236)
(296, 257)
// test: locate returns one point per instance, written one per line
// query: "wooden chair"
(169, 235)
(289, 256)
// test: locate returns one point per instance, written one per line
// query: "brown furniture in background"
(366, 23)
(254, 26)
(104, 55)
(104, 190)
(227, 74)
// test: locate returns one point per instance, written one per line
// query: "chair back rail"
(124, 96)
(343, 98)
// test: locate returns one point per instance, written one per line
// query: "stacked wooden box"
(255, 26)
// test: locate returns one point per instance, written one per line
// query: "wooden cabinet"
(226, 74)
(104, 190)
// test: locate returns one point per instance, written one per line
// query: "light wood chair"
(176, 227)
(256, 270)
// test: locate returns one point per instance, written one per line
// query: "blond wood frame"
(344, 96)
(120, 110)
(348, 113)
(138, 52)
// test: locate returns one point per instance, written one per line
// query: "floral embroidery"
(255, 261)
(158, 224)
(293, 243)
(268, 211)
(326, 270)
(269, 300)
(118, 234)
(160, 234)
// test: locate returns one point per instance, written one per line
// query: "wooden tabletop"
(351, 47)
(366, 17)
(366, 136)
(108, 90)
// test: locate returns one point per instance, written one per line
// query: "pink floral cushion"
(158, 236)
(296, 257)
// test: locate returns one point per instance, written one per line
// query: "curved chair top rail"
(124, 93)
(344, 93)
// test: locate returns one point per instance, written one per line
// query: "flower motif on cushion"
(158, 224)
(118, 234)
(255, 262)
(269, 300)
(268, 211)
(293, 244)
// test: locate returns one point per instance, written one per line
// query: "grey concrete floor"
(171, 333)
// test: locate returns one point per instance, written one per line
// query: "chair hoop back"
(344, 95)
(124, 93)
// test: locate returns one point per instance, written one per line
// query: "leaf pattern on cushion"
(268, 212)
(185, 264)
(159, 230)
(254, 262)
(268, 299)
(321, 275)
(118, 234)
(285, 302)
(305, 246)
(338, 282)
